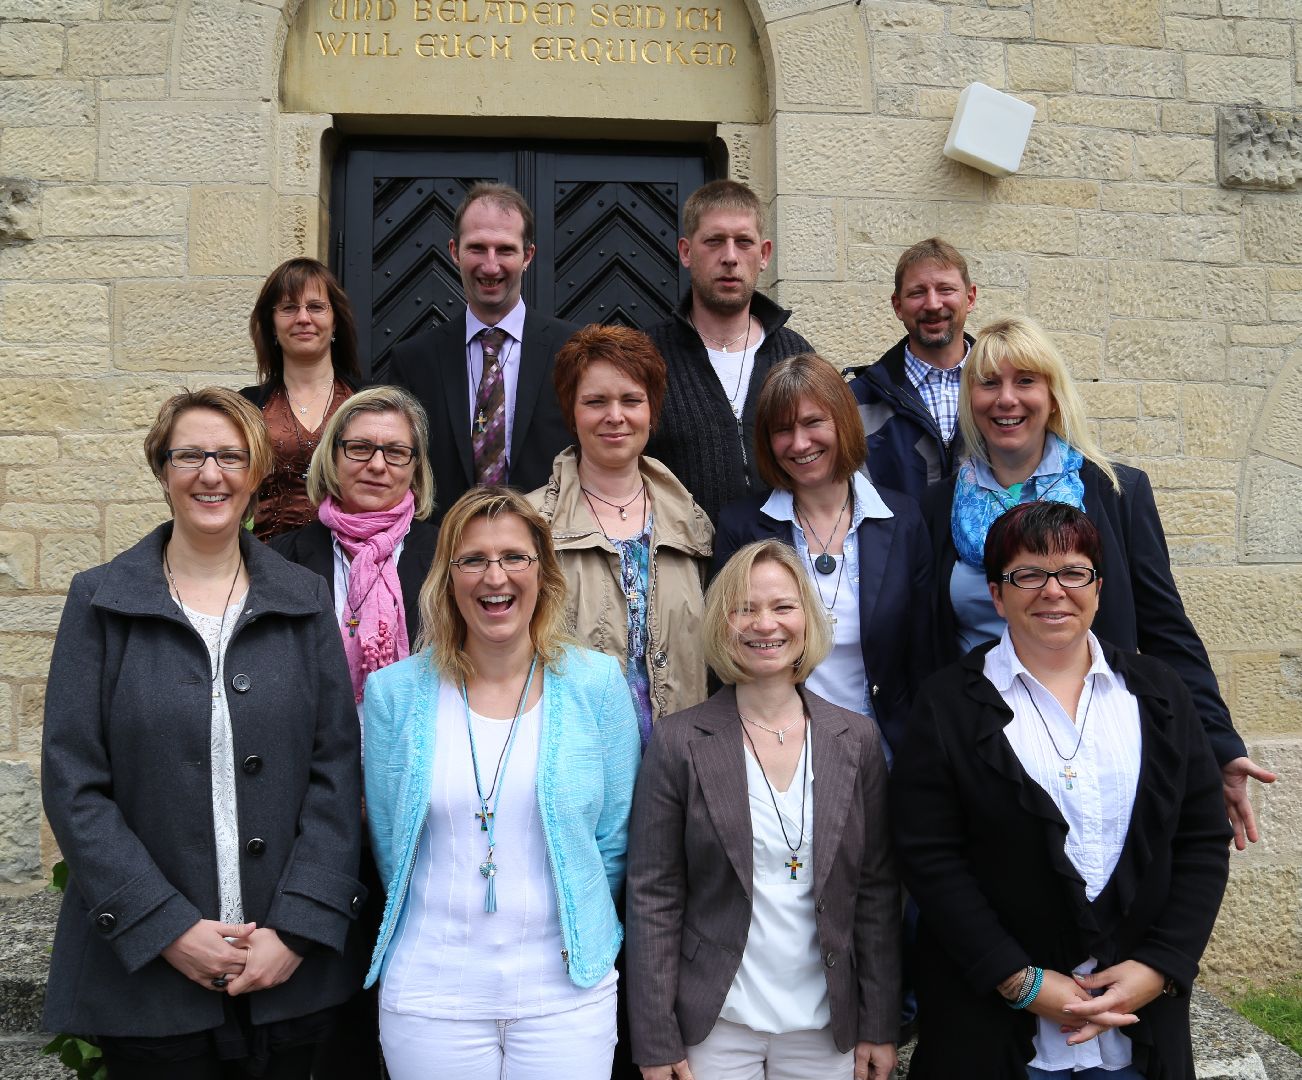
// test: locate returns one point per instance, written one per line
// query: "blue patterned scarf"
(979, 499)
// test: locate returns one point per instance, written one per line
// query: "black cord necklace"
(791, 864)
(1070, 774)
(825, 563)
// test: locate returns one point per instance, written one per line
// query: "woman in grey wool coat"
(200, 772)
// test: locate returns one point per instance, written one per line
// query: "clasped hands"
(1070, 999)
(235, 959)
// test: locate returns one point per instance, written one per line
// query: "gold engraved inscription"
(470, 36)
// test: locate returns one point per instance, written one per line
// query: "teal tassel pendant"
(488, 869)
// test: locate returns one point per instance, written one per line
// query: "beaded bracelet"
(1031, 994)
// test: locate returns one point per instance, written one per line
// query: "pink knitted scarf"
(375, 624)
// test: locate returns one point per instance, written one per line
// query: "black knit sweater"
(697, 433)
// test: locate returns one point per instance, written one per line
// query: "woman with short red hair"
(633, 544)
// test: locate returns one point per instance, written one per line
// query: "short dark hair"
(807, 375)
(628, 350)
(288, 282)
(931, 250)
(1041, 528)
(720, 195)
(504, 197)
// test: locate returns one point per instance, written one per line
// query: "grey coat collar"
(134, 584)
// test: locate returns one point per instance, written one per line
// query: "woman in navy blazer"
(864, 548)
(1027, 436)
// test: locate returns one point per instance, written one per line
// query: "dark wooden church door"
(607, 231)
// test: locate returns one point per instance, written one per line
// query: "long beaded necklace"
(221, 628)
(488, 868)
(738, 411)
(793, 864)
(1068, 773)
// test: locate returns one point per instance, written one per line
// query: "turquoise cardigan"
(588, 756)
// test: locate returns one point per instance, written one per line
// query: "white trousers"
(574, 1045)
(736, 1052)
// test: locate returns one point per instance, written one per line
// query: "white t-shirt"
(781, 985)
(734, 370)
(451, 959)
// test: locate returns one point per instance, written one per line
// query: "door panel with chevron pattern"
(607, 231)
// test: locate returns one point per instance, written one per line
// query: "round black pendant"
(825, 564)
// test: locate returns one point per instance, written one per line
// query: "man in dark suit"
(485, 375)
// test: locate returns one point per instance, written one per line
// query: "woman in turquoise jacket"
(499, 762)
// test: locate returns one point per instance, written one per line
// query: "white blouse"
(451, 959)
(1094, 791)
(216, 633)
(781, 985)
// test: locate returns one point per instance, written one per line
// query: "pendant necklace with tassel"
(488, 868)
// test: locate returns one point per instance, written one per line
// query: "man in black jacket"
(718, 346)
(909, 398)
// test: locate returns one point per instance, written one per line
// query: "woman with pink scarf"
(371, 482)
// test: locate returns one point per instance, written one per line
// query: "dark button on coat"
(126, 778)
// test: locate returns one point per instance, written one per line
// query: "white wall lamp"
(990, 129)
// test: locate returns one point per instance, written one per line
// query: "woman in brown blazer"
(750, 945)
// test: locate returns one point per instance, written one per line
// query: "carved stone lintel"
(1260, 149)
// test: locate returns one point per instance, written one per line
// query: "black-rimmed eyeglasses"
(1033, 577)
(364, 450)
(515, 563)
(185, 457)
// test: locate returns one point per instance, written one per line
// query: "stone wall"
(1155, 227)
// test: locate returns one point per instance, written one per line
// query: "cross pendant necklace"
(484, 817)
(481, 423)
(794, 864)
(1069, 774)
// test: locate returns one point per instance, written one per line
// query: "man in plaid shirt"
(909, 398)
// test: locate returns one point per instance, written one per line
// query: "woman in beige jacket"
(634, 546)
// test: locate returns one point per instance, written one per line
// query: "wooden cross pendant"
(1069, 774)
(352, 625)
(481, 423)
(794, 865)
(483, 820)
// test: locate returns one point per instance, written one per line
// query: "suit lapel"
(534, 353)
(835, 756)
(720, 764)
(875, 538)
(456, 389)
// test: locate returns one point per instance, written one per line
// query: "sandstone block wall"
(150, 177)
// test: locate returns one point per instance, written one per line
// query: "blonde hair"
(323, 473)
(1024, 346)
(241, 412)
(729, 593)
(443, 628)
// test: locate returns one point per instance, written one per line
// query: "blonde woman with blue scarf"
(1028, 439)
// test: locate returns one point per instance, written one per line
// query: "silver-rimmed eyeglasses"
(315, 308)
(364, 450)
(185, 457)
(1035, 577)
(514, 563)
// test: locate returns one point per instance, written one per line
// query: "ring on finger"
(219, 983)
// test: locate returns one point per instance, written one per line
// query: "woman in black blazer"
(864, 548)
(1027, 436)
(1057, 817)
(371, 482)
